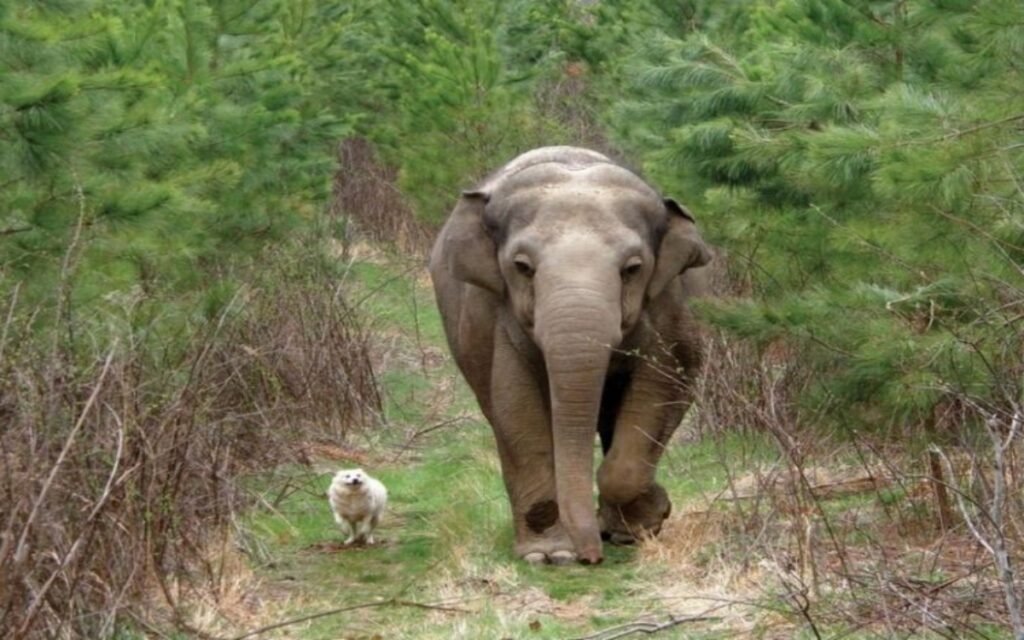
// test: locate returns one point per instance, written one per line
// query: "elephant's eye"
(523, 265)
(632, 267)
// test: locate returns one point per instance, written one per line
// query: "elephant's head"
(575, 253)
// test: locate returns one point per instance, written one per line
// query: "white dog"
(357, 501)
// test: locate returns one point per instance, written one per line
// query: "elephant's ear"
(681, 248)
(469, 249)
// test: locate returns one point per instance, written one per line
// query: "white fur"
(357, 501)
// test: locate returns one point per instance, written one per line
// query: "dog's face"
(352, 477)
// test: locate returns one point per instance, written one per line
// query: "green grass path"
(446, 539)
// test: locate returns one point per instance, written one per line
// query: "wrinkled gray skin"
(551, 276)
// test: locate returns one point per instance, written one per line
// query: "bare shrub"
(566, 98)
(120, 468)
(846, 528)
(366, 192)
(744, 385)
(300, 357)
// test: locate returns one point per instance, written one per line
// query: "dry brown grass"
(828, 529)
(839, 531)
(122, 464)
(684, 536)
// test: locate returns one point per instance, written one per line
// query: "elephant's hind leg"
(521, 424)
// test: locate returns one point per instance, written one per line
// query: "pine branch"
(964, 132)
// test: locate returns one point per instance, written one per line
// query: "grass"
(447, 536)
(446, 539)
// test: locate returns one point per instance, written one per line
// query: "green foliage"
(453, 100)
(861, 163)
(178, 136)
(453, 90)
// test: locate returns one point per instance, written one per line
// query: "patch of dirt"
(693, 585)
(826, 482)
(500, 588)
(331, 451)
(683, 536)
(336, 546)
(532, 601)
(361, 251)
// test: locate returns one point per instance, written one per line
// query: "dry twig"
(651, 627)
(393, 602)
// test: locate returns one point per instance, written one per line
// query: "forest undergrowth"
(213, 217)
(776, 532)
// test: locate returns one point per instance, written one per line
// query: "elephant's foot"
(551, 546)
(555, 557)
(635, 520)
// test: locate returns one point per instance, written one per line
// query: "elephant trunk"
(577, 324)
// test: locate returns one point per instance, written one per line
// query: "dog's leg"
(374, 519)
(349, 530)
(364, 530)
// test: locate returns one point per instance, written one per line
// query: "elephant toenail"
(591, 558)
(535, 558)
(562, 557)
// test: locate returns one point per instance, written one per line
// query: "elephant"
(562, 281)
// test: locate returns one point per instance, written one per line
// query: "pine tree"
(862, 164)
(174, 139)
(458, 88)
(450, 105)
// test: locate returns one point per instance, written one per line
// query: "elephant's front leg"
(632, 504)
(521, 424)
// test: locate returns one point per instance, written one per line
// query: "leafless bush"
(564, 97)
(747, 387)
(366, 191)
(300, 357)
(120, 468)
(849, 529)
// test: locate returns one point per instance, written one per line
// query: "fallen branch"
(650, 628)
(331, 612)
(827, 490)
(422, 432)
(10, 231)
